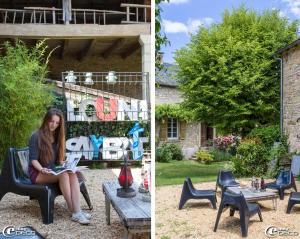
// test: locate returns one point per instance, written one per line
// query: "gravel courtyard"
(19, 211)
(197, 218)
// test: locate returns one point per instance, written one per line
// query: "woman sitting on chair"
(47, 148)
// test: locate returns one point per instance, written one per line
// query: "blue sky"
(180, 18)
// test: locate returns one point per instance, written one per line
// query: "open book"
(69, 165)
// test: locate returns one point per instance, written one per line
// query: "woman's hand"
(45, 171)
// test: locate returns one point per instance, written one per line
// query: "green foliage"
(176, 151)
(280, 155)
(24, 96)
(168, 152)
(204, 157)
(172, 110)
(163, 155)
(160, 39)
(228, 74)
(251, 158)
(220, 155)
(267, 134)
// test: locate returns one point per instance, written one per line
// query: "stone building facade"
(290, 114)
(191, 136)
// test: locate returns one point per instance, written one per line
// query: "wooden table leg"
(107, 210)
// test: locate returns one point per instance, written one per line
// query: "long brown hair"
(44, 142)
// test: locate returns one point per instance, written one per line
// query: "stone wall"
(291, 97)
(190, 144)
(167, 95)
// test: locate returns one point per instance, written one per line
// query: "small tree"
(24, 96)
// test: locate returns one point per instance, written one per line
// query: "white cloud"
(174, 27)
(191, 26)
(177, 1)
(294, 6)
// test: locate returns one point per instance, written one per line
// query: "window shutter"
(182, 127)
(163, 129)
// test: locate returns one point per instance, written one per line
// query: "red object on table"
(125, 176)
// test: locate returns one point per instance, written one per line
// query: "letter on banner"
(82, 109)
(70, 112)
(96, 144)
(143, 111)
(114, 148)
(81, 144)
(113, 109)
(137, 146)
(131, 111)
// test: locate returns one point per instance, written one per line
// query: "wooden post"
(53, 17)
(104, 18)
(94, 17)
(67, 11)
(14, 17)
(23, 17)
(137, 14)
(145, 14)
(5, 17)
(45, 17)
(127, 14)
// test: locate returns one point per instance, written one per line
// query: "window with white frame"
(172, 128)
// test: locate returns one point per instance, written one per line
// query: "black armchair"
(238, 202)
(226, 179)
(284, 180)
(189, 192)
(14, 178)
(294, 199)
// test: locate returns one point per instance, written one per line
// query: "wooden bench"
(134, 213)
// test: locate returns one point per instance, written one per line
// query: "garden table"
(134, 213)
(255, 195)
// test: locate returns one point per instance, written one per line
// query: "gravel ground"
(197, 218)
(18, 211)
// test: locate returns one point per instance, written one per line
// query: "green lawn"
(174, 172)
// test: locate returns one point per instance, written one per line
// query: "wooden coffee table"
(255, 196)
(134, 213)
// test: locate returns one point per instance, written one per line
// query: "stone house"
(191, 136)
(105, 40)
(290, 94)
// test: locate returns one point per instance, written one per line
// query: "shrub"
(220, 155)
(176, 151)
(168, 152)
(227, 143)
(204, 157)
(163, 155)
(24, 96)
(252, 158)
(267, 134)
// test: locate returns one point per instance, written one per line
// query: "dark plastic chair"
(294, 199)
(238, 202)
(226, 179)
(14, 178)
(284, 180)
(189, 192)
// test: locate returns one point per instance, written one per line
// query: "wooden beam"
(78, 31)
(87, 50)
(112, 48)
(132, 49)
(64, 46)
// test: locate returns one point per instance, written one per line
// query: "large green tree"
(228, 72)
